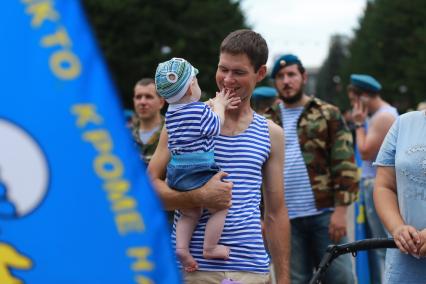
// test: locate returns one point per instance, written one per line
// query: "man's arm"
(277, 225)
(369, 142)
(214, 194)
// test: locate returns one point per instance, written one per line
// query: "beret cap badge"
(284, 61)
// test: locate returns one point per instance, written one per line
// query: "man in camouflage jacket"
(147, 121)
(147, 149)
(321, 178)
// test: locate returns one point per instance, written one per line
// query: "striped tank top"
(242, 157)
(298, 190)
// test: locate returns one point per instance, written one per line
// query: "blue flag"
(75, 203)
(361, 261)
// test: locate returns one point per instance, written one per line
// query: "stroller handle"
(334, 251)
(361, 245)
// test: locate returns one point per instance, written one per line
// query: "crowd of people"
(259, 180)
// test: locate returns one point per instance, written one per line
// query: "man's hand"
(9, 257)
(359, 112)
(216, 193)
(338, 224)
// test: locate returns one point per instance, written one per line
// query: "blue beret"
(264, 93)
(288, 59)
(366, 83)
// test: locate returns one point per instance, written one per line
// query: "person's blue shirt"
(404, 148)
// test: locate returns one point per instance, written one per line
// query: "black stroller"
(334, 251)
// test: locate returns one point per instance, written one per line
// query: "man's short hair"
(247, 42)
(358, 91)
(145, 82)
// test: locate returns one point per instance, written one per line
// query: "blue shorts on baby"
(190, 171)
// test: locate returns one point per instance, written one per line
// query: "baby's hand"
(209, 103)
(227, 99)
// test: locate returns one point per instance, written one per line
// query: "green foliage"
(390, 45)
(136, 35)
(329, 84)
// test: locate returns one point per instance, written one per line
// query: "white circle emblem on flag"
(24, 174)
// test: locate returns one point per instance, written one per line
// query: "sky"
(302, 27)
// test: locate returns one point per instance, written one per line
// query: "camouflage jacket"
(327, 149)
(146, 150)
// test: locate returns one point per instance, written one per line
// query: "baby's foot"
(188, 262)
(219, 251)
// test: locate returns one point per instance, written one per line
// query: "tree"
(329, 86)
(136, 35)
(390, 45)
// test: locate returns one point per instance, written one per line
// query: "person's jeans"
(309, 241)
(374, 229)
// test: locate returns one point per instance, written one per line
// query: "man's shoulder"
(381, 119)
(318, 107)
(323, 105)
(386, 112)
(273, 127)
(274, 114)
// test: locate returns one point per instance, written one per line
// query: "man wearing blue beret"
(321, 177)
(372, 117)
(263, 99)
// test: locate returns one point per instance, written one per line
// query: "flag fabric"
(361, 260)
(75, 203)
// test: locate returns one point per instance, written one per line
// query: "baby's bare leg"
(212, 235)
(184, 228)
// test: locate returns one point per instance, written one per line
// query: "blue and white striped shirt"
(298, 191)
(191, 128)
(242, 157)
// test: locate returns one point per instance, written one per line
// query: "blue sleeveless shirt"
(241, 156)
(367, 168)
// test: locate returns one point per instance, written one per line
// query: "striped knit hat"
(173, 77)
